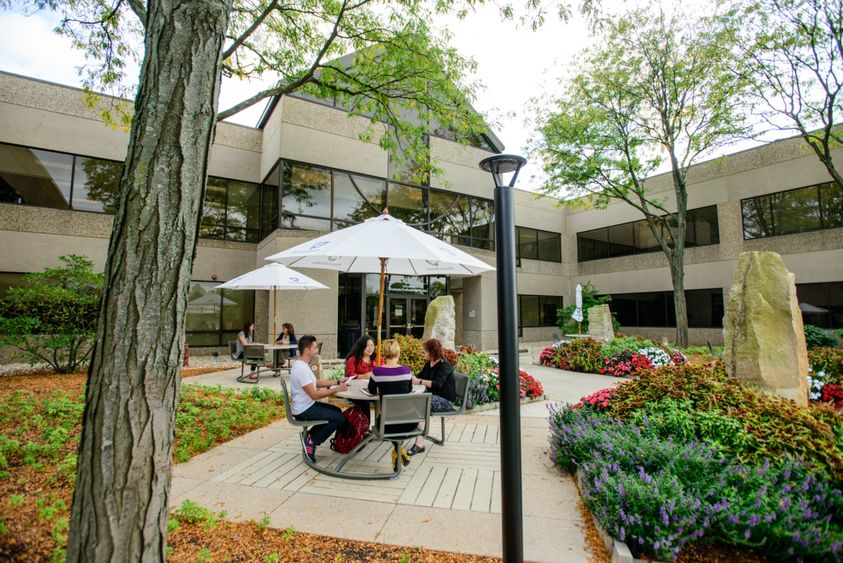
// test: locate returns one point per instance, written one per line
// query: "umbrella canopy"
(577, 316)
(274, 277)
(361, 247)
(386, 245)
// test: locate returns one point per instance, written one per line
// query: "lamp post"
(510, 393)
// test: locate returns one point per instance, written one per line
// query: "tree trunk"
(677, 276)
(119, 510)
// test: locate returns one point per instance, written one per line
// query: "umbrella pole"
(274, 314)
(380, 307)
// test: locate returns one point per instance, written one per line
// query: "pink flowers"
(599, 399)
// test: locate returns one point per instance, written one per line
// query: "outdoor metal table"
(355, 392)
(275, 348)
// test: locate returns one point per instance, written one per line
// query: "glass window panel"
(203, 307)
(451, 215)
(213, 209)
(348, 205)
(243, 211)
(621, 241)
(407, 203)
(307, 191)
(483, 218)
(832, 205)
(197, 339)
(438, 286)
(624, 308)
(269, 193)
(705, 308)
(549, 246)
(306, 223)
(527, 243)
(35, 177)
(238, 308)
(757, 217)
(706, 227)
(96, 184)
(651, 309)
(529, 310)
(796, 211)
(410, 285)
(645, 241)
(549, 306)
(814, 302)
(592, 245)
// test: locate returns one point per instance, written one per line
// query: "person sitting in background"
(359, 359)
(393, 378)
(288, 336)
(306, 390)
(437, 376)
(246, 336)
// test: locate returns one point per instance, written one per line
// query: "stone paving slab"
(448, 498)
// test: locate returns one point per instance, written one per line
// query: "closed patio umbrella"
(274, 277)
(384, 245)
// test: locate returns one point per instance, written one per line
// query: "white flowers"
(657, 356)
(816, 382)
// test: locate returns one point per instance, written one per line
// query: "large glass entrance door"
(405, 315)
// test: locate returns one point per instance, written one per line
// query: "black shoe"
(415, 450)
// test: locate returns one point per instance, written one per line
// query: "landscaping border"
(618, 550)
(497, 404)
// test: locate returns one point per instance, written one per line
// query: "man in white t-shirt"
(306, 390)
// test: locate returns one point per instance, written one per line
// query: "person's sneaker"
(309, 449)
(415, 450)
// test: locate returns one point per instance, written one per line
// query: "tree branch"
(250, 30)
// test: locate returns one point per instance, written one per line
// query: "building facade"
(304, 171)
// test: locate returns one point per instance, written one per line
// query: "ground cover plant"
(683, 454)
(39, 437)
(484, 382)
(816, 337)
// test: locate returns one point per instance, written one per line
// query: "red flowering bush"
(554, 356)
(451, 355)
(600, 400)
(626, 364)
(677, 358)
(530, 388)
(833, 394)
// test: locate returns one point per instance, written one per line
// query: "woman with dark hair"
(246, 336)
(437, 376)
(288, 336)
(359, 360)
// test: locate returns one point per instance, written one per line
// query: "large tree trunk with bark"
(119, 510)
(677, 276)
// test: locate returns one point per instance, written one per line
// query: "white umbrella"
(386, 245)
(274, 277)
(577, 316)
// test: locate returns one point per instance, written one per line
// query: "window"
(533, 244)
(538, 310)
(655, 308)
(407, 203)
(216, 316)
(35, 177)
(637, 238)
(269, 200)
(349, 205)
(821, 304)
(231, 210)
(788, 212)
(96, 184)
(306, 191)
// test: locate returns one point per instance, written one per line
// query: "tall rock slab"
(600, 323)
(440, 321)
(765, 341)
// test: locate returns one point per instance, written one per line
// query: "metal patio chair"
(461, 387)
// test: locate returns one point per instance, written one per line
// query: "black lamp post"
(510, 394)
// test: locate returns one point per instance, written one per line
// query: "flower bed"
(622, 357)
(484, 383)
(684, 454)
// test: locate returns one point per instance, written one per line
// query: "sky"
(514, 65)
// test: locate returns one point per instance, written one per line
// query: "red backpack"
(355, 429)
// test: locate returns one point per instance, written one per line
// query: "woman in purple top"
(393, 378)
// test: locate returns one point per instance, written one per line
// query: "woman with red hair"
(437, 376)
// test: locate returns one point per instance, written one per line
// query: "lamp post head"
(501, 164)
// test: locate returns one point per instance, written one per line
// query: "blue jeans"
(322, 411)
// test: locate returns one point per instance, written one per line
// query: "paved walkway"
(448, 498)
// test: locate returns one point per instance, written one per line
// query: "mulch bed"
(230, 541)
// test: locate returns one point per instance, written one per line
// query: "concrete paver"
(447, 498)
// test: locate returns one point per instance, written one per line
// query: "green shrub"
(829, 360)
(745, 423)
(412, 353)
(53, 317)
(476, 362)
(631, 343)
(191, 513)
(589, 299)
(815, 337)
(582, 354)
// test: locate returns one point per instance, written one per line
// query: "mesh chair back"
(253, 353)
(461, 387)
(287, 408)
(411, 408)
(232, 349)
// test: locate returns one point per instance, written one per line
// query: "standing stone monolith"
(762, 329)
(600, 323)
(440, 321)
